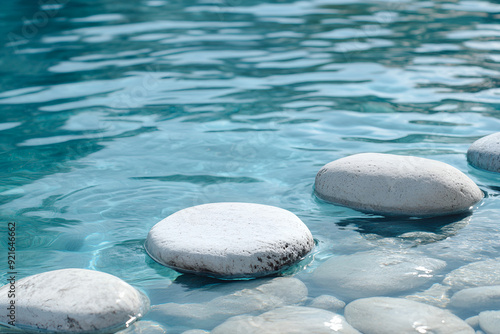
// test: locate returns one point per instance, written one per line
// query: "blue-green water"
(115, 114)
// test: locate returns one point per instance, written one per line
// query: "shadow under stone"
(423, 230)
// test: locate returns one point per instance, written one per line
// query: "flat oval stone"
(477, 299)
(476, 274)
(375, 273)
(382, 315)
(230, 240)
(396, 185)
(74, 301)
(489, 321)
(484, 153)
(290, 319)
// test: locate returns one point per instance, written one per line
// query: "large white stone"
(476, 274)
(290, 320)
(274, 293)
(477, 299)
(74, 301)
(394, 184)
(230, 240)
(376, 273)
(485, 153)
(385, 315)
(489, 321)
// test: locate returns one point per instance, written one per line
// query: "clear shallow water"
(115, 115)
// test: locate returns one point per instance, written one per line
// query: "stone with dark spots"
(484, 153)
(230, 240)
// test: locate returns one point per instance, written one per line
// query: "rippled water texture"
(115, 114)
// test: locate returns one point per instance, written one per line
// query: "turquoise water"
(116, 114)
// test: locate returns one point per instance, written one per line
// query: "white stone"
(375, 273)
(484, 153)
(489, 321)
(327, 302)
(393, 184)
(482, 273)
(230, 240)
(144, 327)
(290, 319)
(473, 321)
(477, 299)
(74, 300)
(274, 293)
(385, 315)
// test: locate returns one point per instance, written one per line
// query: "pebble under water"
(114, 115)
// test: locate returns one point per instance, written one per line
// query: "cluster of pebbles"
(243, 240)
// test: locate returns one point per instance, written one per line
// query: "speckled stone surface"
(230, 240)
(485, 153)
(385, 315)
(290, 320)
(397, 185)
(376, 273)
(74, 301)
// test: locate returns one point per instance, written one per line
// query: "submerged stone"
(230, 240)
(327, 302)
(484, 153)
(477, 299)
(400, 185)
(375, 273)
(489, 321)
(145, 327)
(385, 315)
(74, 301)
(476, 274)
(275, 293)
(290, 319)
(436, 295)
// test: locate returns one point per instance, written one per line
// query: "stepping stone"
(290, 319)
(73, 300)
(484, 153)
(375, 273)
(230, 240)
(384, 315)
(396, 185)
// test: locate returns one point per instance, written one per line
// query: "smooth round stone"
(278, 292)
(396, 185)
(230, 240)
(144, 327)
(375, 273)
(385, 315)
(477, 299)
(476, 274)
(290, 320)
(74, 301)
(484, 153)
(327, 302)
(489, 321)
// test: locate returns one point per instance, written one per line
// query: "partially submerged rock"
(73, 301)
(230, 240)
(396, 185)
(484, 153)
